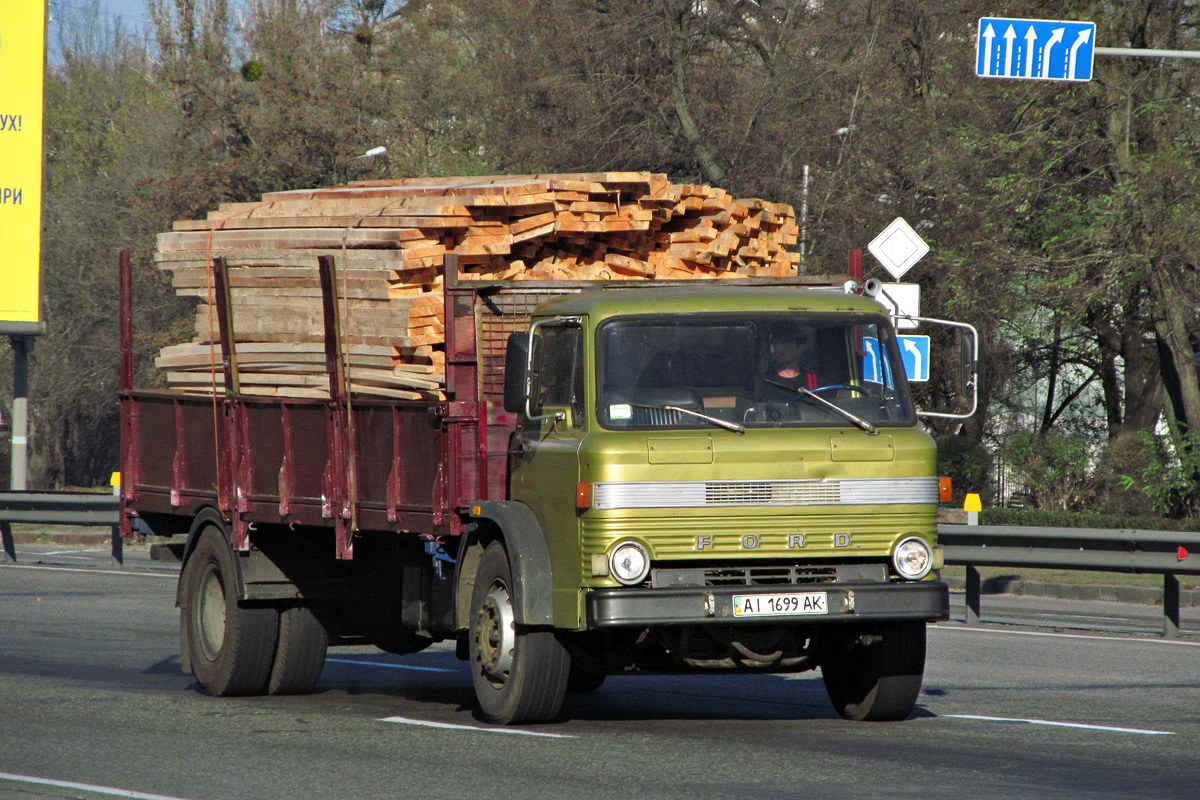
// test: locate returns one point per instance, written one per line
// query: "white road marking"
(1137, 639)
(1061, 724)
(85, 787)
(446, 725)
(387, 665)
(171, 575)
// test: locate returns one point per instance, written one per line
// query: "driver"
(788, 365)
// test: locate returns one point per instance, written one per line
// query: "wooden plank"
(274, 257)
(404, 225)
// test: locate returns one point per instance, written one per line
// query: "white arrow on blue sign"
(1035, 49)
(872, 370)
(914, 352)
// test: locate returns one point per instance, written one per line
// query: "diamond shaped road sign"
(898, 247)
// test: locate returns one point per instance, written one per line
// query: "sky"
(132, 15)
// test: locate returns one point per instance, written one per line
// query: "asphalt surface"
(1049, 699)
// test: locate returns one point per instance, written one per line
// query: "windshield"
(768, 370)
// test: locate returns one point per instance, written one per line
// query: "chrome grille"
(698, 494)
(786, 493)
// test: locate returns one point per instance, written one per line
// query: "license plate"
(778, 605)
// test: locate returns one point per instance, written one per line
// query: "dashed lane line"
(171, 575)
(1052, 723)
(85, 787)
(449, 726)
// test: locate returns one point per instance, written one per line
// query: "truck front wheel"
(874, 672)
(231, 646)
(520, 675)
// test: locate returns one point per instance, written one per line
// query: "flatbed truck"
(611, 486)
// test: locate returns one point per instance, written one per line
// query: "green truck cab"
(726, 479)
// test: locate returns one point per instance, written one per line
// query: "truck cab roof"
(714, 298)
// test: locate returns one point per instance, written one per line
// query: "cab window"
(560, 370)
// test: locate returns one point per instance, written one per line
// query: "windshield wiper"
(720, 423)
(808, 394)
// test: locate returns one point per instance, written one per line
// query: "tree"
(104, 112)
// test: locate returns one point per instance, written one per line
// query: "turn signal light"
(583, 495)
(945, 489)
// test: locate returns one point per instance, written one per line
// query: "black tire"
(520, 675)
(874, 672)
(231, 647)
(299, 654)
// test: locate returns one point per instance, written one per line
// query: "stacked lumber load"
(390, 239)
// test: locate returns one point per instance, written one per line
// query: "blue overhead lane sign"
(1035, 49)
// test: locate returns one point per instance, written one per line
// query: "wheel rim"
(497, 634)
(210, 613)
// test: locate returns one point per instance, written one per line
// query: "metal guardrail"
(60, 508)
(1169, 553)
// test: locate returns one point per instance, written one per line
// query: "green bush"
(1123, 457)
(1056, 467)
(1167, 471)
(967, 464)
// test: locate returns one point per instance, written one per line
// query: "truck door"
(545, 452)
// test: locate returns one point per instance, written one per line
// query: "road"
(92, 704)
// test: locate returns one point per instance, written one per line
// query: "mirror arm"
(974, 360)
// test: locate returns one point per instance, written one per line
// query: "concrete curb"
(1132, 595)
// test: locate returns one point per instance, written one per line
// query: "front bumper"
(927, 601)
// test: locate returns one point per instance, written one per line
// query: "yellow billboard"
(22, 63)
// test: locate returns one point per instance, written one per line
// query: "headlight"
(629, 563)
(913, 558)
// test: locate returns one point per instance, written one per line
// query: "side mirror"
(516, 360)
(971, 361)
(970, 366)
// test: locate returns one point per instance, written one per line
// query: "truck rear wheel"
(520, 675)
(874, 672)
(300, 653)
(231, 646)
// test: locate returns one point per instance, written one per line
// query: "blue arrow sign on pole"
(1035, 49)
(914, 352)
